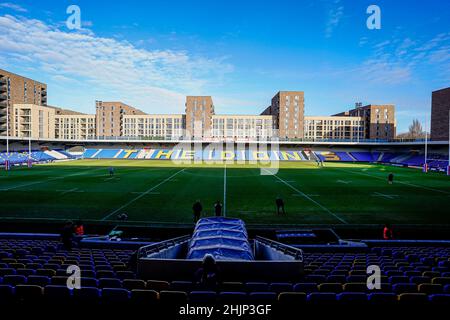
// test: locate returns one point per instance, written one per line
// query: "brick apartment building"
(16, 89)
(440, 108)
(284, 118)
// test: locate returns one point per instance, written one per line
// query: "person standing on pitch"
(111, 171)
(197, 209)
(218, 208)
(391, 178)
(280, 205)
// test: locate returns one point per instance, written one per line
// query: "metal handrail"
(156, 247)
(286, 249)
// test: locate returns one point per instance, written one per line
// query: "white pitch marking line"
(402, 182)
(310, 199)
(343, 181)
(49, 179)
(309, 195)
(63, 192)
(389, 196)
(142, 194)
(135, 192)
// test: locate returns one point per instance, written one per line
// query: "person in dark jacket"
(197, 209)
(67, 235)
(280, 205)
(391, 178)
(218, 208)
(207, 277)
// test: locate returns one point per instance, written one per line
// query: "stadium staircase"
(94, 155)
(56, 155)
(351, 156)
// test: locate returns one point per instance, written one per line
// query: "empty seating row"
(58, 294)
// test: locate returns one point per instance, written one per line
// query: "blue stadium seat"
(322, 298)
(203, 297)
(131, 284)
(382, 298)
(232, 297)
(14, 280)
(306, 287)
(352, 297)
(413, 298)
(38, 280)
(6, 294)
(29, 293)
(158, 285)
(186, 286)
(54, 293)
(292, 298)
(109, 283)
(115, 295)
(87, 295)
(144, 297)
(429, 288)
(278, 287)
(262, 297)
(256, 287)
(173, 297)
(399, 288)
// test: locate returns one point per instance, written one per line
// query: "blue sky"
(151, 54)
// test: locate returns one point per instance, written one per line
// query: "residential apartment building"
(242, 127)
(288, 110)
(199, 112)
(379, 120)
(110, 115)
(75, 126)
(154, 126)
(440, 110)
(334, 127)
(26, 100)
(16, 89)
(33, 121)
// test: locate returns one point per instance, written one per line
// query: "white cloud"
(400, 60)
(335, 14)
(12, 6)
(146, 78)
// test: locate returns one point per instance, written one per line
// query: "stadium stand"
(36, 269)
(435, 161)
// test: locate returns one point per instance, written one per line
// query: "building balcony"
(3, 97)
(2, 81)
(43, 93)
(3, 88)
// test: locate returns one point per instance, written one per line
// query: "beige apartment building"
(16, 89)
(75, 126)
(199, 112)
(163, 126)
(242, 127)
(334, 127)
(110, 117)
(30, 120)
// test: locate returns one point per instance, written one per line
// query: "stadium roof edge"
(307, 143)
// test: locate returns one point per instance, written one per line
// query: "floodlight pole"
(426, 144)
(448, 167)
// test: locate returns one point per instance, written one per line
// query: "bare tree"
(415, 131)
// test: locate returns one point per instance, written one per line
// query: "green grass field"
(162, 192)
